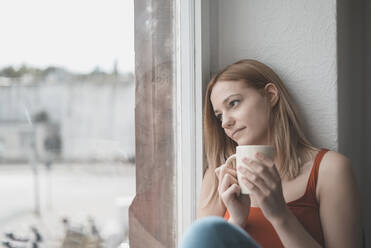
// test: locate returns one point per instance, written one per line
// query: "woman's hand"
(238, 205)
(265, 185)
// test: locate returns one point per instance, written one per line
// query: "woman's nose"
(227, 121)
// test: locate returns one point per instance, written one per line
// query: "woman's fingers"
(255, 190)
(226, 182)
(267, 172)
(253, 181)
(232, 191)
(226, 170)
(268, 163)
(222, 170)
(260, 176)
(227, 179)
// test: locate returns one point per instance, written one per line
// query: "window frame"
(192, 63)
(171, 68)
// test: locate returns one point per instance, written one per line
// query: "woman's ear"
(272, 93)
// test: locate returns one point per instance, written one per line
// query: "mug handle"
(230, 158)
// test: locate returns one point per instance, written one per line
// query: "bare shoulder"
(334, 163)
(335, 172)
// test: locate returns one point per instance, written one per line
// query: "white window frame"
(191, 68)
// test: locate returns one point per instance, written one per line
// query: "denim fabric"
(215, 232)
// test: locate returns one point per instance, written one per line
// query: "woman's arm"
(292, 233)
(209, 204)
(339, 208)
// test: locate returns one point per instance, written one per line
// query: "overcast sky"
(76, 34)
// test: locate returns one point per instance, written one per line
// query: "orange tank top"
(306, 210)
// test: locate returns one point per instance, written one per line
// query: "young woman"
(305, 197)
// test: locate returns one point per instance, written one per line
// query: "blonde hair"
(288, 136)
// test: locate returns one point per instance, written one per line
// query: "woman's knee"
(215, 232)
(203, 232)
(210, 222)
(206, 226)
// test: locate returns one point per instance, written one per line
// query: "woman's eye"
(233, 103)
(219, 117)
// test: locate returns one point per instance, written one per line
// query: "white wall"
(298, 40)
(321, 51)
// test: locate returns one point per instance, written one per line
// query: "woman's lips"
(237, 131)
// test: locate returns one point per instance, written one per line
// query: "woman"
(306, 197)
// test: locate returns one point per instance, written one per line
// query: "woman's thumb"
(217, 172)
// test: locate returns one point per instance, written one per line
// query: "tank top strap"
(312, 182)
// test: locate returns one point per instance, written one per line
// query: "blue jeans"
(215, 232)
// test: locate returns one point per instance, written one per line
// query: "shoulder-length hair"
(285, 130)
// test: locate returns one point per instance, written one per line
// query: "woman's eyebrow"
(225, 101)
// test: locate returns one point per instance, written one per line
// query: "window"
(168, 120)
(67, 131)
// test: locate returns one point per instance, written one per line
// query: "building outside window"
(67, 131)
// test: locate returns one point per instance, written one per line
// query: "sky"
(78, 35)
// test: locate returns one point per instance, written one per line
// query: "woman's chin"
(242, 142)
(246, 142)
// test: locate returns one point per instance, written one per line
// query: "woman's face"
(243, 112)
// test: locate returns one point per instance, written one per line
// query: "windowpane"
(67, 131)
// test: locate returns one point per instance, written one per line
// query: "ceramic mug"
(249, 151)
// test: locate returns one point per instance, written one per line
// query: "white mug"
(249, 151)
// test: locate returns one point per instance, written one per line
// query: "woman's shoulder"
(334, 162)
(334, 172)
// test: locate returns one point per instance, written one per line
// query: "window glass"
(67, 131)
